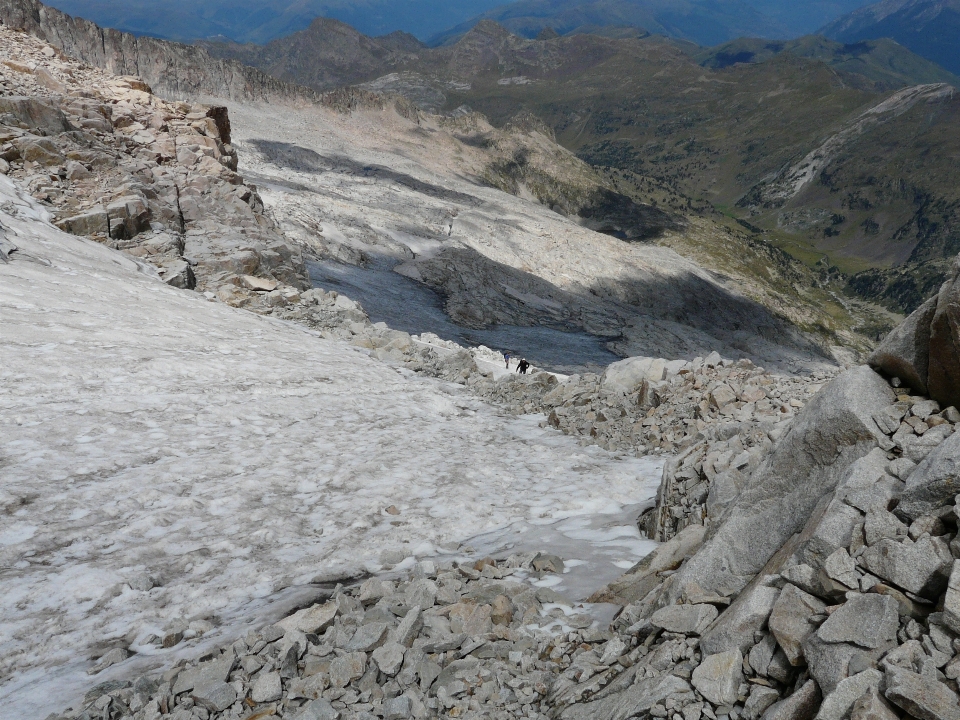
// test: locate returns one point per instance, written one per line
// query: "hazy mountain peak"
(930, 28)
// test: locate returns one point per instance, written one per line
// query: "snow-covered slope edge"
(167, 457)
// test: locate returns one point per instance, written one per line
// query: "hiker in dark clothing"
(522, 367)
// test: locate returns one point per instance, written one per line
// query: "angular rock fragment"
(266, 688)
(870, 621)
(922, 567)
(872, 706)
(801, 705)
(838, 704)
(922, 696)
(313, 619)
(935, 482)
(636, 700)
(718, 677)
(790, 620)
(684, 619)
(215, 696)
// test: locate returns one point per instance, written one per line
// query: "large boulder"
(943, 375)
(935, 482)
(625, 376)
(905, 351)
(832, 432)
(36, 115)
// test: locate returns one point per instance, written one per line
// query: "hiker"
(522, 366)
(506, 356)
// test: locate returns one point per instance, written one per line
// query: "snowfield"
(163, 457)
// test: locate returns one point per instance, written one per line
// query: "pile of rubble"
(461, 640)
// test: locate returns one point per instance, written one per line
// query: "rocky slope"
(882, 202)
(809, 522)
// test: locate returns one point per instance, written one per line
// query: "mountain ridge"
(930, 28)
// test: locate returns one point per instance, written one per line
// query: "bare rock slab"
(921, 696)
(922, 567)
(869, 621)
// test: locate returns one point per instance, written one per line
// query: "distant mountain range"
(707, 22)
(930, 28)
(263, 20)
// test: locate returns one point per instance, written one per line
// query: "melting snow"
(165, 457)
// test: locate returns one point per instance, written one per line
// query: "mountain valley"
(552, 378)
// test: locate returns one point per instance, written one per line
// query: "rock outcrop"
(113, 162)
(173, 70)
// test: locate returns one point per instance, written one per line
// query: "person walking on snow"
(506, 356)
(522, 366)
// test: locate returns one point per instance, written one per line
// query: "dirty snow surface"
(165, 457)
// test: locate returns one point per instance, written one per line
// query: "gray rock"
(880, 524)
(829, 663)
(422, 593)
(635, 700)
(869, 621)
(35, 114)
(951, 600)
(832, 431)
(389, 658)
(871, 706)
(760, 699)
(409, 628)
(347, 668)
(368, 637)
(685, 619)
(110, 658)
(838, 704)
(718, 677)
(217, 670)
(905, 351)
(91, 222)
(320, 709)
(922, 567)
(804, 577)
(266, 688)
(943, 380)
(216, 696)
(313, 619)
(623, 377)
(921, 696)
(397, 708)
(179, 274)
(736, 626)
(789, 620)
(780, 668)
(935, 482)
(802, 705)
(761, 654)
(842, 569)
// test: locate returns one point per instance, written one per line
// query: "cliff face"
(173, 70)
